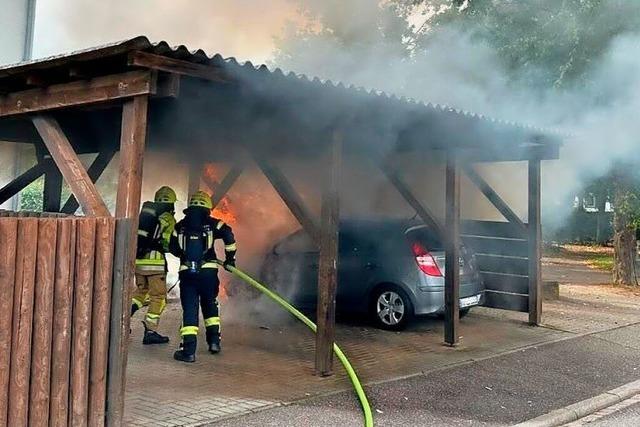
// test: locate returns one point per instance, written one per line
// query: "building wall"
(13, 21)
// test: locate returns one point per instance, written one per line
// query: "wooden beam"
(535, 239)
(52, 192)
(452, 251)
(70, 166)
(328, 262)
(423, 212)
(19, 183)
(493, 197)
(97, 90)
(132, 143)
(96, 169)
(220, 189)
(177, 66)
(290, 197)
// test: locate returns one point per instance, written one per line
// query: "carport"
(134, 96)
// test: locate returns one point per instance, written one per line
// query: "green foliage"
(31, 196)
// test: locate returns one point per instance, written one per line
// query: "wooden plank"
(492, 229)
(81, 329)
(23, 300)
(221, 189)
(177, 66)
(86, 92)
(70, 166)
(8, 243)
(547, 151)
(290, 197)
(503, 264)
(497, 246)
(42, 323)
(506, 301)
(98, 166)
(52, 193)
(535, 239)
(18, 184)
(119, 327)
(327, 265)
(493, 197)
(105, 234)
(423, 212)
(62, 308)
(452, 251)
(505, 282)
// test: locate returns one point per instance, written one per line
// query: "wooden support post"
(452, 251)
(493, 197)
(535, 239)
(96, 169)
(18, 184)
(52, 193)
(70, 166)
(328, 262)
(132, 142)
(290, 197)
(221, 188)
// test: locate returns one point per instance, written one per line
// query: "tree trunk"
(624, 240)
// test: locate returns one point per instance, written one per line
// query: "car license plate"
(469, 301)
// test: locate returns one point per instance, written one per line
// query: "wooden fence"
(501, 250)
(55, 287)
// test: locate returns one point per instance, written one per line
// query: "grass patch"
(601, 261)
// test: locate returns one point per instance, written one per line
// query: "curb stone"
(586, 407)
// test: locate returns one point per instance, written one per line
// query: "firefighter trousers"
(154, 287)
(201, 289)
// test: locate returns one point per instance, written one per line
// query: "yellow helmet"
(201, 199)
(165, 195)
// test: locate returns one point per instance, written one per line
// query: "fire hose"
(362, 397)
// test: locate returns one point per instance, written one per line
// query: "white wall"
(13, 22)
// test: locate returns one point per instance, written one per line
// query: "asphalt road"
(499, 391)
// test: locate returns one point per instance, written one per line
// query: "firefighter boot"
(187, 351)
(213, 340)
(152, 337)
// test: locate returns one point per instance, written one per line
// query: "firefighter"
(193, 242)
(155, 226)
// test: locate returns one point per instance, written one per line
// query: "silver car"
(390, 271)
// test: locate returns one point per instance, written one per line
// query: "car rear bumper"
(432, 300)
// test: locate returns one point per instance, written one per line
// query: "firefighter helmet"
(201, 199)
(165, 195)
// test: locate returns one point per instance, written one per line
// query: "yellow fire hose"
(364, 402)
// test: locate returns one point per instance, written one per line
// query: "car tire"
(390, 308)
(464, 312)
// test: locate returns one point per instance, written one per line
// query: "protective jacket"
(194, 237)
(156, 224)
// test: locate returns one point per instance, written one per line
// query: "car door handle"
(370, 266)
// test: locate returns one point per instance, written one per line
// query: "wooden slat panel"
(8, 243)
(506, 301)
(22, 322)
(502, 264)
(62, 308)
(69, 164)
(81, 332)
(42, 323)
(492, 229)
(505, 282)
(100, 321)
(93, 91)
(496, 246)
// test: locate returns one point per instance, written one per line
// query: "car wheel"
(464, 312)
(391, 308)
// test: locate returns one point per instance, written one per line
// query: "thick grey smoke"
(461, 71)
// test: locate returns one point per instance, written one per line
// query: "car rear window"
(425, 237)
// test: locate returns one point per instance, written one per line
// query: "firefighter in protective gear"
(155, 227)
(193, 242)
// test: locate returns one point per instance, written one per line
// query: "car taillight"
(425, 261)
